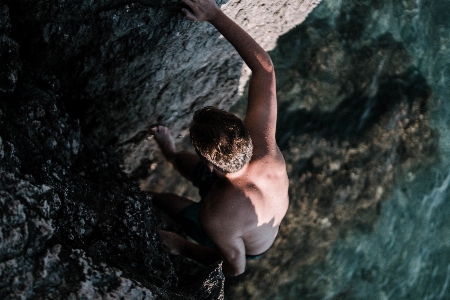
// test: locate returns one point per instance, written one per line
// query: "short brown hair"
(221, 138)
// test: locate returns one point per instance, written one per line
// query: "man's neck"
(235, 175)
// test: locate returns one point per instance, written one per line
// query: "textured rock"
(134, 64)
(266, 20)
(73, 224)
(9, 54)
(91, 76)
(131, 65)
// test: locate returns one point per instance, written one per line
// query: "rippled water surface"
(406, 255)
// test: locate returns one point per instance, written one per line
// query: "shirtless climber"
(238, 168)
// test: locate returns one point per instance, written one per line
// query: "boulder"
(80, 84)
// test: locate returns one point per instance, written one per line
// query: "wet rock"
(5, 25)
(75, 200)
(9, 55)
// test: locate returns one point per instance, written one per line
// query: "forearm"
(208, 256)
(235, 268)
(251, 52)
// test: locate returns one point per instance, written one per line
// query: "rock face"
(80, 83)
(73, 224)
(9, 55)
(134, 64)
(266, 20)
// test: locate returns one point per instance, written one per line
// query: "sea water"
(407, 253)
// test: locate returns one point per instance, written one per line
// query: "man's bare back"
(243, 208)
(250, 204)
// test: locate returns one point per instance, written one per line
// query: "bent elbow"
(270, 68)
(233, 269)
(265, 63)
(236, 272)
(240, 272)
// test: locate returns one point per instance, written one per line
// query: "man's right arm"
(261, 114)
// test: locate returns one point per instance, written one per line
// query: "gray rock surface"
(266, 20)
(73, 225)
(9, 55)
(80, 83)
(136, 63)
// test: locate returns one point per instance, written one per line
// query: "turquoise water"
(406, 255)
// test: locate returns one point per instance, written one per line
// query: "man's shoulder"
(268, 155)
(272, 166)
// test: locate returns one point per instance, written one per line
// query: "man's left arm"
(228, 242)
(177, 245)
(233, 252)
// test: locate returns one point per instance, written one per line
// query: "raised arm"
(261, 116)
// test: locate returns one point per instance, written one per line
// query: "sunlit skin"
(243, 210)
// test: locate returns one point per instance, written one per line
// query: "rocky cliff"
(73, 224)
(80, 83)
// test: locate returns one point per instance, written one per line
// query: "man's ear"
(210, 166)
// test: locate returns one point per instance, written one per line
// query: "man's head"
(221, 138)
